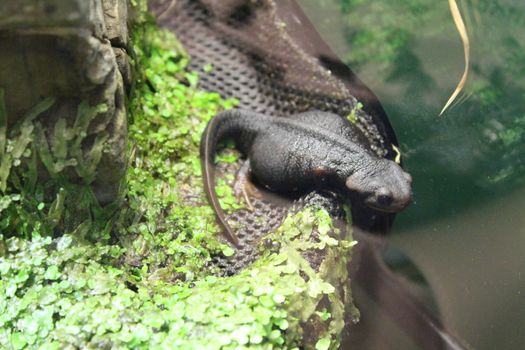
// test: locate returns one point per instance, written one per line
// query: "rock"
(115, 15)
(31, 14)
(63, 49)
(123, 65)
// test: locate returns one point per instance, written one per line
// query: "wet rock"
(123, 63)
(74, 14)
(65, 49)
(115, 16)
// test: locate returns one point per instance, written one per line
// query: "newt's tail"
(230, 123)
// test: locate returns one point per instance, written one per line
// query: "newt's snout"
(387, 188)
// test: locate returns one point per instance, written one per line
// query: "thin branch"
(167, 10)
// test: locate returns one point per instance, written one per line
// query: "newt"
(306, 151)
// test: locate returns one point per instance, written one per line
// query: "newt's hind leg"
(243, 187)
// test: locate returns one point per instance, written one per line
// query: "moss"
(33, 176)
(389, 30)
(352, 116)
(176, 232)
(66, 292)
(136, 274)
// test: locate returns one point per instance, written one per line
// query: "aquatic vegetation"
(137, 273)
(67, 293)
(33, 200)
(377, 43)
(352, 116)
(408, 57)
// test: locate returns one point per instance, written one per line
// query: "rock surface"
(64, 49)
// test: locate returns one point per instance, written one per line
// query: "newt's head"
(384, 186)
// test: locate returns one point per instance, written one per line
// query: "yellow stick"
(460, 25)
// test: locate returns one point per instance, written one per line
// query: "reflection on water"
(464, 230)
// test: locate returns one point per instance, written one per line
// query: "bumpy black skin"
(306, 151)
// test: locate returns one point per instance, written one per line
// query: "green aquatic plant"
(478, 150)
(69, 293)
(33, 200)
(352, 116)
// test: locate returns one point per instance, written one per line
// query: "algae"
(352, 116)
(136, 273)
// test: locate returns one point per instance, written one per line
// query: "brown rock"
(116, 16)
(62, 49)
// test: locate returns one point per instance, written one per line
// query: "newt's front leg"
(243, 186)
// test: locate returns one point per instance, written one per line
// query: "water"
(466, 229)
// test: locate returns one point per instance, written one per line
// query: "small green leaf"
(266, 301)
(60, 144)
(38, 109)
(4, 267)
(275, 334)
(21, 276)
(18, 340)
(227, 251)
(56, 208)
(207, 68)
(323, 344)
(52, 273)
(21, 142)
(282, 324)
(256, 339)
(279, 299)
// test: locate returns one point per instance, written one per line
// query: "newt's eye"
(384, 200)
